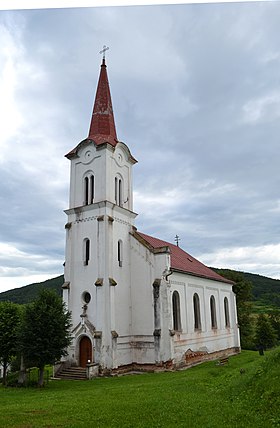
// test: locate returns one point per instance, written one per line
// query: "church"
(135, 300)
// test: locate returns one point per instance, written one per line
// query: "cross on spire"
(105, 48)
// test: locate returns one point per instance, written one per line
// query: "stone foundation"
(190, 358)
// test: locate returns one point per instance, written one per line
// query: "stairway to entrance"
(73, 373)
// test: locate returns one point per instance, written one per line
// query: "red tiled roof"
(182, 261)
(102, 127)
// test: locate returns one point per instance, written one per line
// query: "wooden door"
(85, 351)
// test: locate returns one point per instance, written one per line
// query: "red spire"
(102, 128)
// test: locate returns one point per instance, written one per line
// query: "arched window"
(196, 310)
(116, 190)
(119, 191)
(89, 189)
(213, 312)
(227, 322)
(86, 190)
(86, 251)
(176, 311)
(120, 252)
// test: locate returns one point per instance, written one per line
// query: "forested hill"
(28, 293)
(264, 289)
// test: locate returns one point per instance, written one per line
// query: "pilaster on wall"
(162, 338)
(166, 316)
(157, 319)
(235, 321)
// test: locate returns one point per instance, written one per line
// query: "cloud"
(195, 92)
(11, 118)
(264, 259)
(263, 108)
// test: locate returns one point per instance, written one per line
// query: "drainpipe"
(168, 274)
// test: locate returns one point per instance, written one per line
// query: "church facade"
(134, 299)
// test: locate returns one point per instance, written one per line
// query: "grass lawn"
(206, 395)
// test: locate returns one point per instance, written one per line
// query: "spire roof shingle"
(102, 127)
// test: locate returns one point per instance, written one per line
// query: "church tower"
(98, 232)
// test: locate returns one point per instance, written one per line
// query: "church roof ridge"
(181, 261)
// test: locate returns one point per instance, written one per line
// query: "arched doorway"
(85, 351)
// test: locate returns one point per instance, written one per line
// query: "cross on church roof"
(177, 239)
(105, 48)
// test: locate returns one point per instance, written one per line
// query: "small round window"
(86, 297)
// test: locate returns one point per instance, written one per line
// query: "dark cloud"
(196, 97)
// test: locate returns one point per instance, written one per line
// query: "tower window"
(196, 310)
(86, 190)
(120, 253)
(119, 191)
(86, 251)
(116, 190)
(213, 312)
(89, 189)
(227, 322)
(176, 311)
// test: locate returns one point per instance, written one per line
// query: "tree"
(45, 332)
(243, 290)
(274, 318)
(9, 323)
(265, 335)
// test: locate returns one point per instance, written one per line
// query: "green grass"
(206, 395)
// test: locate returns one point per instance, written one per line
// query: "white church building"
(135, 300)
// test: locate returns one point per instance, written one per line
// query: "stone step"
(69, 373)
(75, 369)
(74, 373)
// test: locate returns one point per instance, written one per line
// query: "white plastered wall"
(207, 339)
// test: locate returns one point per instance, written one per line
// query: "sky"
(196, 97)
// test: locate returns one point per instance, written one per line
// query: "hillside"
(264, 289)
(28, 293)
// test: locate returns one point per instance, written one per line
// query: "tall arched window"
(196, 310)
(176, 311)
(213, 312)
(86, 190)
(120, 252)
(116, 190)
(89, 189)
(227, 322)
(119, 191)
(86, 251)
